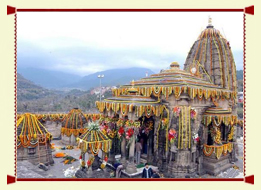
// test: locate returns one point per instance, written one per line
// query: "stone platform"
(215, 166)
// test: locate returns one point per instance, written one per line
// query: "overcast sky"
(86, 42)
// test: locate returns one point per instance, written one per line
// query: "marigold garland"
(219, 150)
(31, 132)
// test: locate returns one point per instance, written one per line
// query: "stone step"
(144, 156)
(143, 160)
(231, 173)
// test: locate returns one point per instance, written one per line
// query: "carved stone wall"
(42, 155)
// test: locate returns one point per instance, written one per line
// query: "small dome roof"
(73, 123)
(174, 65)
(217, 110)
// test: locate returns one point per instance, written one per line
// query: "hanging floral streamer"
(124, 109)
(50, 117)
(218, 150)
(199, 92)
(167, 110)
(193, 91)
(184, 134)
(148, 110)
(226, 119)
(231, 134)
(156, 91)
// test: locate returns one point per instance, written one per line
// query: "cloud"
(87, 42)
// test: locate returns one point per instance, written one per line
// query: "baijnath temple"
(185, 118)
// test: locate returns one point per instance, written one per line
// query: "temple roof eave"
(131, 101)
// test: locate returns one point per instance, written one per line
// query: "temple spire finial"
(132, 82)
(209, 22)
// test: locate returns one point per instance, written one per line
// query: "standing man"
(147, 172)
(138, 147)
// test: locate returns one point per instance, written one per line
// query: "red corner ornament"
(249, 10)
(10, 179)
(249, 179)
(10, 10)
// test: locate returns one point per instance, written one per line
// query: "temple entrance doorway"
(146, 136)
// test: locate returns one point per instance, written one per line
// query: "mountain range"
(59, 80)
(48, 78)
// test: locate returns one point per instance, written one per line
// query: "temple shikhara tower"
(185, 119)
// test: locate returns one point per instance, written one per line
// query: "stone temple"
(185, 119)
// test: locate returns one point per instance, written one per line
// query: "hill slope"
(27, 90)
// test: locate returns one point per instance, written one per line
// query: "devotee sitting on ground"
(155, 174)
(118, 166)
(147, 172)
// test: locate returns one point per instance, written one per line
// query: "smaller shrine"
(218, 139)
(33, 140)
(73, 126)
(91, 142)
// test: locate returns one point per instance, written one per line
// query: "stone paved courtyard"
(58, 170)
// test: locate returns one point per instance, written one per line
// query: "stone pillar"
(233, 153)
(123, 152)
(111, 158)
(131, 166)
(200, 165)
(150, 145)
(156, 155)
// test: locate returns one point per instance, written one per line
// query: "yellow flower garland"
(219, 150)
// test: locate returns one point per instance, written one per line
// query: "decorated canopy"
(176, 81)
(30, 131)
(218, 115)
(130, 105)
(94, 139)
(74, 122)
(131, 101)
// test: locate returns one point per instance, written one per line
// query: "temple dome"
(211, 55)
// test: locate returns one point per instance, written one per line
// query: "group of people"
(146, 173)
(149, 173)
